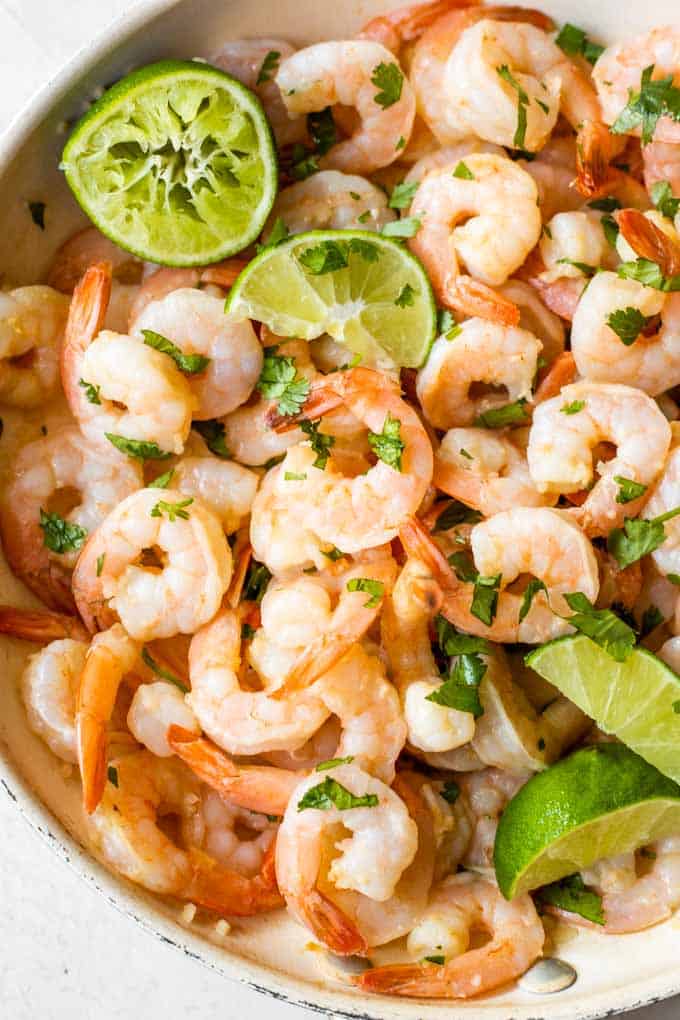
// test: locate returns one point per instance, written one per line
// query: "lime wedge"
(175, 163)
(637, 700)
(367, 291)
(600, 801)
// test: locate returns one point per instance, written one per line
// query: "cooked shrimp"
(483, 352)
(178, 596)
(63, 464)
(650, 236)
(112, 654)
(459, 904)
(84, 249)
(225, 487)
(125, 831)
(535, 317)
(450, 156)
(356, 513)
(245, 60)
(554, 171)
(485, 792)
(651, 362)
(406, 640)
(161, 282)
(40, 625)
(239, 717)
(499, 225)
(49, 686)
(487, 471)
(342, 73)
(508, 545)
(154, 708)
(331, 200)
(197, 324)
(666, 496)
(561, 373)
(661, 162)
(571, 240)
(345, 900)
(560, 451)
(618, 74)
(232, 836)
(430, 61)
(101, 370)
(32, 323)
(406, 25)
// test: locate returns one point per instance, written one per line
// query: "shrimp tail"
(224, 274)
(596, 147)
(648, 242)
(227, 892)
(470, 297)
(331, 926)
(39, 625)
(242, 555)
(406, 25)
(254, 787)
(409, 979)
(561, 373)
(418, 542)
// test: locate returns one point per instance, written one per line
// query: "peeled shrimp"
(62, 463)
(125, 831)
(244, 59)
(32, 323)
(49, 686)
(197, 323)
(225, 487)
(560, 451)
(459, 904)
(232, 836)
(570, 238)
(406, 640)
(347, 902)
(450, 156)
(158, 284)
(535, 317)
(661, 161)
(154, 708)
(487, 471)
(86, 248)
(652, 362)
(485, 793)
(332, 73)
(110, 365)
(331, 200)
(483, 351)
(499, 225)
(664, 497)
(40, 625)
(405, 25)
(111, 579)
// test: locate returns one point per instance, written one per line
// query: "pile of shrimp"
(244, 619)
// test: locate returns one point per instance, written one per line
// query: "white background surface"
(64, 952)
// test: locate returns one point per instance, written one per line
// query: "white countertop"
(66, 953)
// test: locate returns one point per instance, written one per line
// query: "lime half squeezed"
(175, 163)
(637, 700)
(600, 801)
(367, 291)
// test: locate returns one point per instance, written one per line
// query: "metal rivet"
(548, 976)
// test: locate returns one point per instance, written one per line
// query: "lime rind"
(598, 802)
(175, 163)
(634, 700)
(355, 305)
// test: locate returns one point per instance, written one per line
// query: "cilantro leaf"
(213, 432)
(172, 510)
(334, 554)
(256, 580)
(644, 271)
(269, 67)
(329, 256)
(655, 99)
(572, 895)
(574, 407)
(628, 489)
(331, 794)
(390, 80)
(140, 449)
(159, 670)
(406, 296)
(450, 791)
(91, 391)
(294, 476)
(638, 537)
(500, 417)
(162, 481)
(464, 172)
(60, 535)
(405, 227)
(190, 364)
(452, 642)
(606, 204)
(574, 42)
(530, 592)
(455, 513)
(522, 102)
(332, 763)
(304, 163)
(376, 589)
(403, 195)
(321, 127)
(601, 625)
(387, 445)
(321, 444)
(611, 230)
(485, 599)
(100, 564)
(437, 958)
(664, 200)
(583, 267)
(460, 689)
(279, 381)
(628, 323)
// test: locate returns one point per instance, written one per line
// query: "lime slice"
(367, 291)
(600, 801)
(637, 700)
(175, 163)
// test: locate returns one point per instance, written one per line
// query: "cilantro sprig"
(375, 589)
(321, 444)
(388, 445)
(572, 895)
(59, 535)
(173, 511)
(574, 42)
(505, 73)
(280, 381)
(628, 323)
(501, 417)
(638, 537)
(332, 794)
(190, 364)
(602, 626)
(460, 689)
(654, 99)
(484, 603)
(389, 79)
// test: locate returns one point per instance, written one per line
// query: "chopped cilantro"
(100, 564)
(583, 267)
(331, 794)
(637, 538)
(294, 476)
(269, 67)
(450, 791)
(406, 227)
(455, 513)
(406, 296)
(464, 172)
(530, 592)
(279, 381)
(332, 763)
(162, 481)
(606, 204)
(321, 444)
(321, 127)
(278, 234)
(172, 510)
(460, 689)
(628, 323)
(329, 256)
(161, 672)
(664, 200)
(388, 445)
(112, 775)
(574, 407)
(500, 417)
(572, 895)
(91, 391)
(256, 580)
(190, 364)
(403, 194)
(213, 432)
(140, 449)
(655, 99)
(574, 42)
(389, 79)
(60, 535)
(651, 619)
(522, 102)
(376, 589)
(628, 489)
(602, 626)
